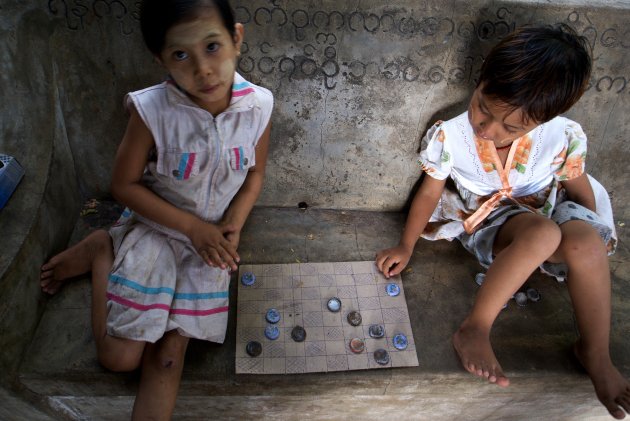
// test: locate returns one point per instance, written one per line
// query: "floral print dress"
(480, 188)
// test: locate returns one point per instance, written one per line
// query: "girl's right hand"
(393, 260)
(212, 245)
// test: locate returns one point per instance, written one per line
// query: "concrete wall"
(356, 85)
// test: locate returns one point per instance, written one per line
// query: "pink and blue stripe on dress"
(186, 163)
(238, 156)
(241, 89)
(153, 291)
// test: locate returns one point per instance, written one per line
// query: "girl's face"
(200, 56)
(496, 121)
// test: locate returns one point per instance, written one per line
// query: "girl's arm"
(242, 204)
(127, 188)
(423, 205)
(579, 190)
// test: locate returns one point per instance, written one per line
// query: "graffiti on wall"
(319, 54)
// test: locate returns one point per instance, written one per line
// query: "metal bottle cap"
(400, 341)
(272, 332)
(533, 295)
(298, 334)
(376, 331)
(334, 304)
(520, 298)
(272, 316)
(381, 356)
(354, 318)
(479, 278)
(357, 345)
(392, 289)
(253, 348)
(248, 279)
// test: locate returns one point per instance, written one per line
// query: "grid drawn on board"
(300, 292)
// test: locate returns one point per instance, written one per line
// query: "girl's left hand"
(232, 235)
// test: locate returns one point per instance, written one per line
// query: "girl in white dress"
(189, 168)
(518, 198)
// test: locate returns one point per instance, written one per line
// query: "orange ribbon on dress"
(472, 222)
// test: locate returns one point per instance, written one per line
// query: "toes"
(624, 401)
(503, 381)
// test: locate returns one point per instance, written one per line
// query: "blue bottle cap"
(272, 316)
(376, 331)
(400, 341)
(272, 332)
(248, 279)
(381, 356)
(393, 289)
(334, 304)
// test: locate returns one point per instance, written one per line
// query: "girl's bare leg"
(94, 254)
(162, 365)
(522, 244)
(589, 287)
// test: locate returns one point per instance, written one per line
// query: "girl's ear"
(238, 37)
(158, 60)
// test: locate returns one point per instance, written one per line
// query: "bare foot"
(72, 262)
(611, 388)
(475, 352)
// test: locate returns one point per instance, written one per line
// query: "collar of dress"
(243, 94)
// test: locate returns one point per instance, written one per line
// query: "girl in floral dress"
(518, 198)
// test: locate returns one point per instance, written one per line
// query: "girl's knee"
(540, 233)
(581, 243)
(170, 351)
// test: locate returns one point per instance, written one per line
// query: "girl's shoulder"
(149, 99)
(560, 128)
(454, 128)
(252, 93)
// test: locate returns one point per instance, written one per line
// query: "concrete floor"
(532, 342)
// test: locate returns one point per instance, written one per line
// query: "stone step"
(533, 342)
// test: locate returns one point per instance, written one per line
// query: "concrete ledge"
(533, 343)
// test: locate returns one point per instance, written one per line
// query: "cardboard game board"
(300, 293)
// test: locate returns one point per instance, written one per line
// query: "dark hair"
(158, 16)
(541, 70)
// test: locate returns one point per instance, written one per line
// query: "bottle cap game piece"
(381, 356)
(376, 331)
(479, 278)
(298, 334)
(253, 348)
(393, 289)
(357, 345)
(272, 332)
(533, 295)
(334, 304)
(272, 316)
(520, 298)
(354, 318)
(400, 341)
(248, 279)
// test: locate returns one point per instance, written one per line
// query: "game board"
(300, 292)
